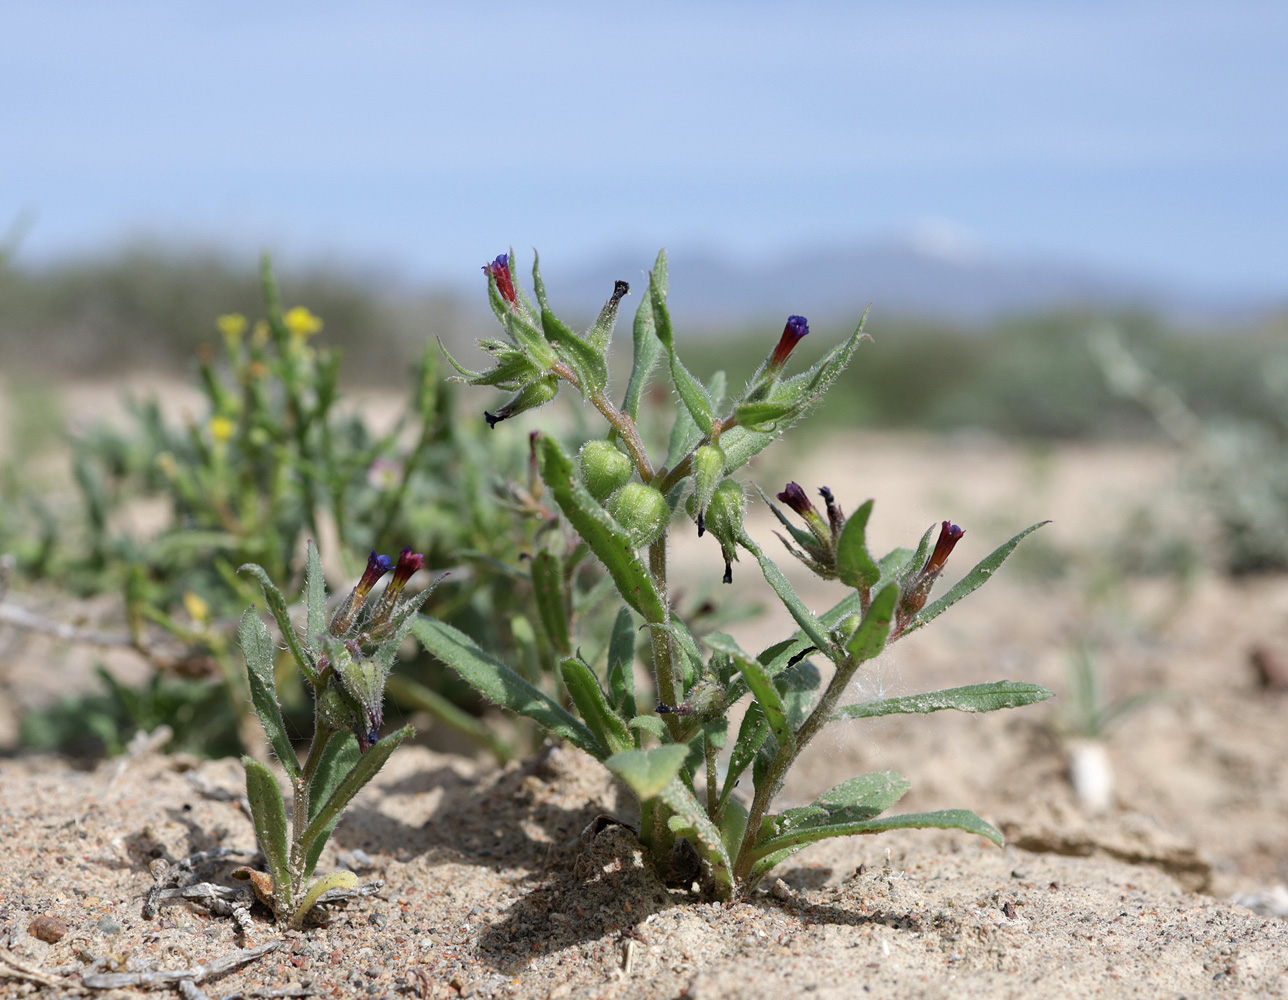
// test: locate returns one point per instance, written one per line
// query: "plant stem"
(773, 780)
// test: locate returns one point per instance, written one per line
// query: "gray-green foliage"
(1238, 467)
(345, 660)
(670, 759)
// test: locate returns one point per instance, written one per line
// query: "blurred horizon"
(408, 144)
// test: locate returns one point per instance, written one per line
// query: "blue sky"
(422, 138)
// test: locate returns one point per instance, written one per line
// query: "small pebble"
(47, 927)
(108, 926)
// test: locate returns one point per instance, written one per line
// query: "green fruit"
(641, 510)
(708, 467)
(603, 468)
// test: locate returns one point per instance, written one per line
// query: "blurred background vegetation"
(151, 310)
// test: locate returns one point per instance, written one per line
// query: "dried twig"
(198, 973)
(12, 968)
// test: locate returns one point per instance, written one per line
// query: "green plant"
(1237, 467)
(345, 659)
(663, 756)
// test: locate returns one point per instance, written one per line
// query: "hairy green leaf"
(609, 728)
(501, 685)
(871, 635)
(588, 363)
(366, 768)
(648, 771)
(269, 814)
(647, 347)
(257, 647)
(805, 618)
(548, 592)
(314, 593)
(277, 605)
(854, 564)
(971, 698)
(775, 850)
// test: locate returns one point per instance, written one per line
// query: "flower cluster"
(355, 700)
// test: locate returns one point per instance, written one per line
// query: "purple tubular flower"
(796, 499)
(949, 536)
(796, 328)
(409, 562)
(499, 269)
(377, 566)
(342, 620)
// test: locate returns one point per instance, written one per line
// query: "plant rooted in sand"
(668, 744)
(345, 660)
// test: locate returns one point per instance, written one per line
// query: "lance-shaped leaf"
(854, 800)
(854, 565)
(752, 735)
(339, 757)
(871, 635)
(685, 433)
(268, 812)
(773, 851)
(621, 663)
(971, 698)
(609, 728)
(258, 648)
(689, 819)
(588, 363)
(648, 771)
(693, 393)
(770, 701)
(552, 606)
(501, 685)
(277, 605)
(606, 538)
(805, 618)
(647, 347)
(972, 581)
(366, 768)
(314, 593)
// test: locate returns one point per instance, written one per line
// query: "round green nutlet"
(726, 510)
(603, 468)
(641, 510)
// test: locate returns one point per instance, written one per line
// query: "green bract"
(673, 757)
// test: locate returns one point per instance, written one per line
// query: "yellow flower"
(198, 609)
(221, 428)
(301, 323)
(231, 326)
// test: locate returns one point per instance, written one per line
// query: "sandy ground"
(490, 891)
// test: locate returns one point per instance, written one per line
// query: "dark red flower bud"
(949, 536)
(796, 499)
(796, 328)
(499, 269)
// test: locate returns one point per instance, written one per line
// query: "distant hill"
(905, 278)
